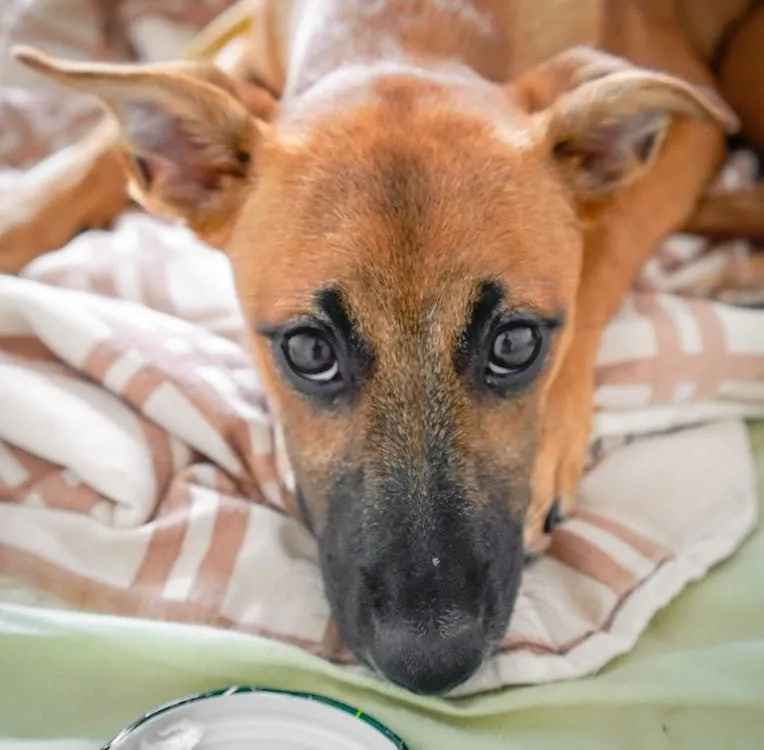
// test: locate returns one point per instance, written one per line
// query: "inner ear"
(608, 155)
(178, 157)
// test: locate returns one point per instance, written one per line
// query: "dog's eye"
(310, 354)
(515, 348)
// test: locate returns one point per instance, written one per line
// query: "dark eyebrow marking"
(330, 302)
(489, 297)
(331, 305)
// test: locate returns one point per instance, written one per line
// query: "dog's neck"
(331, 36)
(494, 39)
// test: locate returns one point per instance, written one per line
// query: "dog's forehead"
(408, 205)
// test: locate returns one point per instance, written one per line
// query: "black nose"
(431, 661)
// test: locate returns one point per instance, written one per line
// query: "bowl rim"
(356, 713)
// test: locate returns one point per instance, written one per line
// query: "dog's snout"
(422, 582)
(428, 661)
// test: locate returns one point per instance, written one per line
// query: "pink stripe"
(653, 551)
(587, 558)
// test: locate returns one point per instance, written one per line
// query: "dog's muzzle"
(422, 597)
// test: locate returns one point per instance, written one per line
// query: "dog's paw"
(559, 463)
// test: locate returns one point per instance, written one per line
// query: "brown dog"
(432, 209)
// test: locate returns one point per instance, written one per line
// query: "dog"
(432, 209)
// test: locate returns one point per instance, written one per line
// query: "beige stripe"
(60, 494)
(261, 466)
(141, 386)
(210, 475)
(160, 449)
(715, 356)
(168, 532)
(690, 368)
(138, 388)
(218, 565)
(669, 350)
(27, 347)
(95, 596)
(100, 360)
(670, 368)
(36, 468)
(98, 364)
(180, 374)
(588, 559)
(653, 551)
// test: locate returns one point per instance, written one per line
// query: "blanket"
(142, 473)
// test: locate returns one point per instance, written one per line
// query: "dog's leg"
(741, 82)
(614, 253)
(741, 76)
(83, 186)
(739, 213)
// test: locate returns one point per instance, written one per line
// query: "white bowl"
(247, 718)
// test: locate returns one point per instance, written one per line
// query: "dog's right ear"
(604, 120)
(191, 144)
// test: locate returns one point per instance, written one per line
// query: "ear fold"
(190, 143)
(605, 120)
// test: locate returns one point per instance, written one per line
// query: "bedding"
(695, 679)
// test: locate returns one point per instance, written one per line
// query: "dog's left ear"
(604, 119)
(190, 142)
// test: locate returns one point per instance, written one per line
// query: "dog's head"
(407, 249)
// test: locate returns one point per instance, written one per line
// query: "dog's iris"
(515, 348)
(311, 355)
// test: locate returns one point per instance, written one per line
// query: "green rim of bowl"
(354, 712)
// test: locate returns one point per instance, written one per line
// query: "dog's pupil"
(514, 346)
(310, 353)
